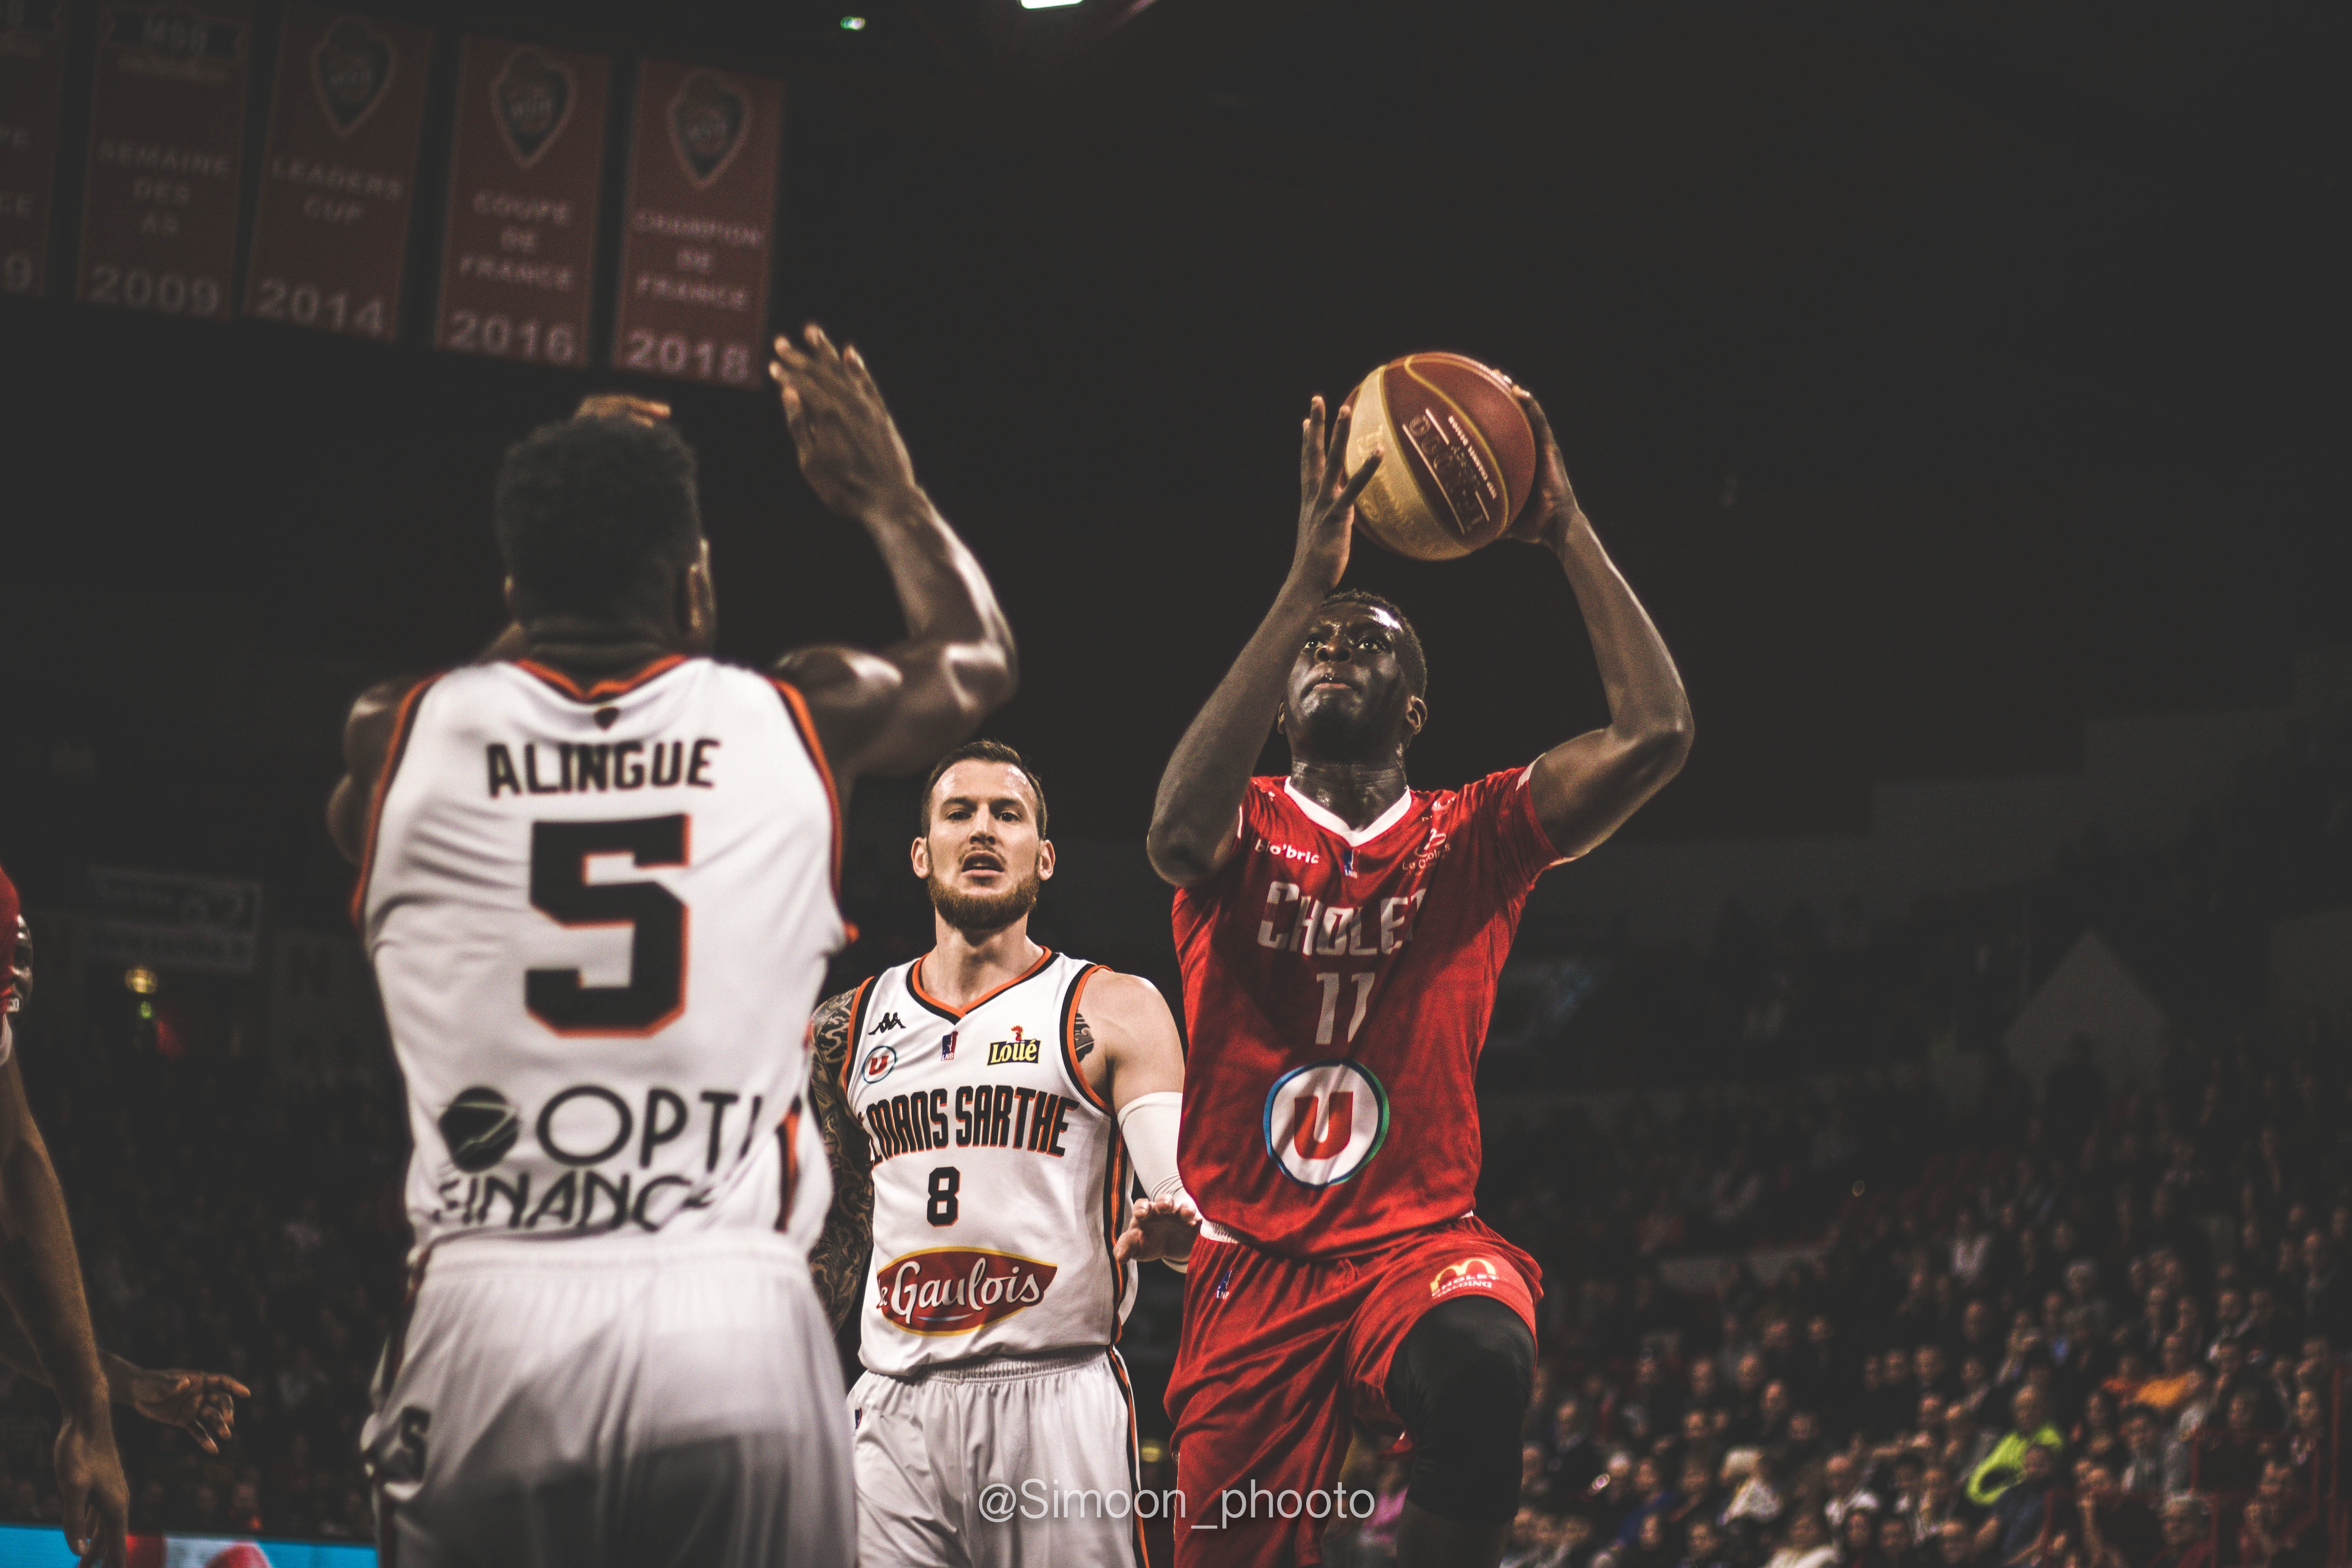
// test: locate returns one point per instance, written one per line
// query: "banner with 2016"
(323, 235)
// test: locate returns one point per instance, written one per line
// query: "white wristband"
(1149, 1123)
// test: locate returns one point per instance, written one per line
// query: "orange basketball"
(1461, 458)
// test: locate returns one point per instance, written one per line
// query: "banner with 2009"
(320, 229)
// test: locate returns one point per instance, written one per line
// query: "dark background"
(2013, 340)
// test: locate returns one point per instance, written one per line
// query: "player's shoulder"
(1109, 989)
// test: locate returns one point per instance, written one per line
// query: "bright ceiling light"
(852, 24)
(1044, 4)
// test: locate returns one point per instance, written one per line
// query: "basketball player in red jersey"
(1341, 935)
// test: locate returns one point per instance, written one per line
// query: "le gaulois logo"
(1015, 1049)
(958, 1289)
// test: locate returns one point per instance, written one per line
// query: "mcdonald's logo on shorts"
(1470, 1274)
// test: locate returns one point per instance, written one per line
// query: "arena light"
(852, 24)
(1045, 5)
(139, 982)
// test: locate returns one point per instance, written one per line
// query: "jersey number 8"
(559, 889)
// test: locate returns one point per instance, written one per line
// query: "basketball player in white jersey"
(598, 884)
(987, 1108)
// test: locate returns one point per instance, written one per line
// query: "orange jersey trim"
(619, 685)
(1070, 1041)
(915, 984)
(404, 722)
(797, 707)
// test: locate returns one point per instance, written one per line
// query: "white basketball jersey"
(599, 917)
(1000, 1180)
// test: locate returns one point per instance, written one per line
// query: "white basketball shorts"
(622, 1403)
(1010, 1462)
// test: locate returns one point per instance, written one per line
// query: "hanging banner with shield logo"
(518, 258)
(166, 145)
(32, 103)
(704, 151)
(339, 177)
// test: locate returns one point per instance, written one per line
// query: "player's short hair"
(585, 507)
(1409, 654)
(981, 751)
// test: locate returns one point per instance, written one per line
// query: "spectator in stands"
(2022, 1512)
(2029, 1430)
(2118, 1530)
(1806, 1543)
(2230, 1460)
(2188, 1534)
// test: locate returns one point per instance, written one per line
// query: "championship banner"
(518, 260)
(166, 141)
(32, 103)
(339, 174)
(700, 219)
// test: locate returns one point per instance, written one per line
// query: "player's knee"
(1461, 1384)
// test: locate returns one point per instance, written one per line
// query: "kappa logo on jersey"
(1325, 1122)
(889, 1022)
(1470, 1274)
(1016, 1049)
(958, 1289)
(879, 1063)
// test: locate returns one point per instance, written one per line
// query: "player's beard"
(972, 912)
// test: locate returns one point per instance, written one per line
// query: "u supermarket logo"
(1015, 1049)
(879, 1063)
(1470, 1274)
(1323, 1123)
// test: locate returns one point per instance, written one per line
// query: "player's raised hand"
(201, 1404)
(1550, 510)
(1160, 1227)
(850, 447)
(1327, 496)
(90, 1485)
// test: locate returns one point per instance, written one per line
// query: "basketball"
(1461, 456)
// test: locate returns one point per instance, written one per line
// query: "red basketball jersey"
(1338, 986)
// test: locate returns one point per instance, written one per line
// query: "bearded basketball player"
(1340, 934)
(599, 884)
(986, 1107)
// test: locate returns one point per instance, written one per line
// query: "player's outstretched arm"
(201, 1404)
(837, 1261)
(894, 710)
(1585, 788)
(1127, 1047)
(1192, 819)
(41, 1279)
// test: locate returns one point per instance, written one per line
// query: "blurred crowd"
(226, 1222)
(2117, 1342)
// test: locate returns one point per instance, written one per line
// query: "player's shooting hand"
(201, 1404)
(1157, 1228)
(1549, 513)
(1327, 497)
(90, 1485)
(850, 449)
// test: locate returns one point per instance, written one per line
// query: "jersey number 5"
(559, 889)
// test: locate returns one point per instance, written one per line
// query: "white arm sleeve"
(1148, 1123)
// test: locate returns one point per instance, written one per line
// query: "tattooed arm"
(41, 1279)
(838, 1259)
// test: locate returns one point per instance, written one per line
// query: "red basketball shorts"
(1279, 1356)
